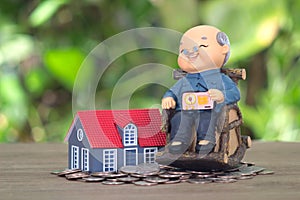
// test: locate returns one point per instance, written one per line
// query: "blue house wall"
(95, 156)
(73, 141)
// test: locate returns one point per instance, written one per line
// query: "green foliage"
(64, 64)
(44, 11)
(37, 81)
(13, 104)
(251, 26)
(44, 42)
(276, 115)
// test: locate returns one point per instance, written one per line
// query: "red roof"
(100, 127)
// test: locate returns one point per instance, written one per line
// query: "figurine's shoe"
(178, 148)
(204, 147)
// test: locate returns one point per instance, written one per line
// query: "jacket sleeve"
(232, 92)
(175, 90)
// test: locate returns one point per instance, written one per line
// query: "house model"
(105, 140)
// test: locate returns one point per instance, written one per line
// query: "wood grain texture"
(25, 174)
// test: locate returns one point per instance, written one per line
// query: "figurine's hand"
(168, 103)
(216, 95)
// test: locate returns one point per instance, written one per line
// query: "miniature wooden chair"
(230, 144)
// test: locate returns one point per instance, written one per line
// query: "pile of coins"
(153, 174)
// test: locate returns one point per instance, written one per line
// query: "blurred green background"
(43, 43)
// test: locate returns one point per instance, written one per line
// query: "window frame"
(112, 166)
(130, 135)
(150, 155)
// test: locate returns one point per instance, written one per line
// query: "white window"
(74, 157)
(130, 156)
(79, 135)
(130, 135)
(84, 159)
(149, 155)
(109, 160)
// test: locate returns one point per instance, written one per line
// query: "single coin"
(256, 169)
(68, 171)
(250, 170)
(266, 172)
(118, 175)
(183, 178)
(149, 173)
(173, 181)
(238, 167)
(139, 175)
(205, 176)
(112, 179)
(112, 183)
(144, 175)
(231, 175)
(162, 171)
(56, 172)
(156, 180)
(101, 174)
(199, 181)
(128, 179)
(244, 177)
(167, 167)
(93, 179)
(148, 168)
(232, 170)
(179, 172)
(144, 183)
(77, 175)
(170, 176)
(218, 173)
(130, 169)
(247, 173)
(198, 173)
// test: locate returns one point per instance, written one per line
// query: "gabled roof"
(100, 127)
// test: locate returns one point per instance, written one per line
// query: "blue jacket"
(202, 82)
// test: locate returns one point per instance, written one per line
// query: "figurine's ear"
(226, 49)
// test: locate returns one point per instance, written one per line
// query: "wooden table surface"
(25, 174)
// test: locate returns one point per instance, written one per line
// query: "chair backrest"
(235, 74)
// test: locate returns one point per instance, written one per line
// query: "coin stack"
(150, 174)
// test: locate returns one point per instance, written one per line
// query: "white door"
(84, 159)
(130, 156)
(74, 157)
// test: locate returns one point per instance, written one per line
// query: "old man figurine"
(203, 51)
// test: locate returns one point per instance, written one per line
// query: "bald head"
(198, 32)
(209, 35)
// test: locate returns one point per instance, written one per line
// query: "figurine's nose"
(189, 53)
(192, 53)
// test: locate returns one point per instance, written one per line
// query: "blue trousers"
(184, 122)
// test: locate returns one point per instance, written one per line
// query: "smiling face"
(200, 51)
